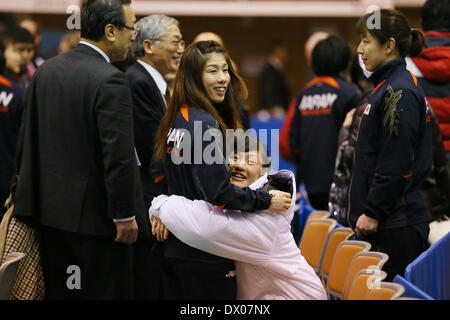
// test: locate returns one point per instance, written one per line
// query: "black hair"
(435, 15)
(16, 35)
(330, 56)
(96, 14)
(393, 24)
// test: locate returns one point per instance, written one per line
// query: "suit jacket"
(148, 110)
(76, 161)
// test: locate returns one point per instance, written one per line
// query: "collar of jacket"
(384, 71)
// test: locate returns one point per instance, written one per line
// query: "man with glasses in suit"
(158, 48)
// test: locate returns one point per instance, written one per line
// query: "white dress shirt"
(96, 49)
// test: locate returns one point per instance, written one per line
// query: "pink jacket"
(268, 262)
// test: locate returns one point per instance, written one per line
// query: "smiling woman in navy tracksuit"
(393, 149)
(206, 92)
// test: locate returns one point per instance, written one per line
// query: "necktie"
(167, 97)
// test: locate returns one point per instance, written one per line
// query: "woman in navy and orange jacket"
(320, 111)
(190, 146)
(393, 149)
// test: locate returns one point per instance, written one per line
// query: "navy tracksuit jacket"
(393, 151)
(320, 111)
(199, 179)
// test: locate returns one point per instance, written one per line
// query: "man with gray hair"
(158, 48)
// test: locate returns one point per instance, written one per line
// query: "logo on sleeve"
(367, 109)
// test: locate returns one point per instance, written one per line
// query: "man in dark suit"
(158, 47)
(77, 168)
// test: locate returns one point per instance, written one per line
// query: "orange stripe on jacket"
(185, 112)
(158, 179)
(328, 80)
(414, 78)
(378, 86)
(5, 82)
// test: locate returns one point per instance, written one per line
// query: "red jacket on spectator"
(285, 148)
(434, 64)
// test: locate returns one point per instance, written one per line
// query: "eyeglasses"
(134, 30)
(175, 43)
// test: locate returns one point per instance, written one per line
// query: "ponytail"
(417, 43)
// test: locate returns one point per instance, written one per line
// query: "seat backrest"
(411, 291)
(363, 260)
(386, 291)
(341, 264)
(336, 237)
(318, 214)
(8, 273)
(362, 281)
(313, 240)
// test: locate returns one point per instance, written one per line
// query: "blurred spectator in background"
(35, 29)
(274, 93)
(321, 109)
(242, 108)
(11, 107)
(310, 44)
(19, 51)
(69, 41)
(208, 36)
(432, 67)
(346, 142)
(284, 143)
(285, 148)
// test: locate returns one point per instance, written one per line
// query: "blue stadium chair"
(411, 291)
(430, 271)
